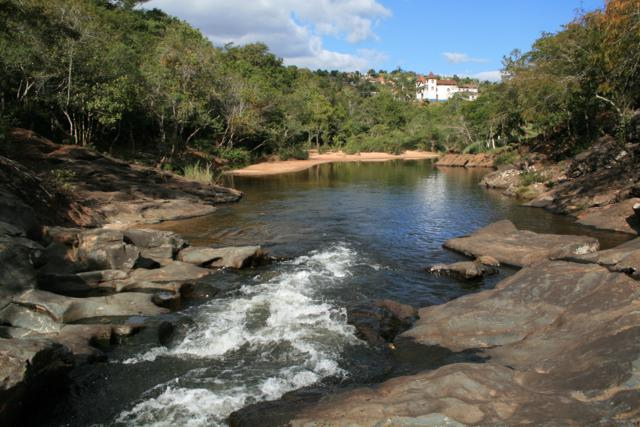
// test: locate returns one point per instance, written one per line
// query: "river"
(348, 233)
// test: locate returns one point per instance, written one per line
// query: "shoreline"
(315, 158)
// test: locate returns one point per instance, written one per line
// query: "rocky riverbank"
(599, 187)
(66, 292)
(559, 342)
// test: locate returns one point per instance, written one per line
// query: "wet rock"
(230, 257)
(503, 241)
(488, 260)
(82, 340)
(29, 367)
(618, 217)
(465, 270)
(67, 309)
(382, 321)
(171, 277)
(563, 345)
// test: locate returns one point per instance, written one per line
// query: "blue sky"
(464, 37)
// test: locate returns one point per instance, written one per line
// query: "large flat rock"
(562, 342)
(503, 241)
(617, 217)
(230, 257)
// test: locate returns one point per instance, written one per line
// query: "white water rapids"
(275, 336)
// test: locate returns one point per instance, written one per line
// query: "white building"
(430, 88)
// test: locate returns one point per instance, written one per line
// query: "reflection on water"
(353, 232)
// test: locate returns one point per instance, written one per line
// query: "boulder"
(488, 260)
(159, 246)
(381, 321)
(504, 242)
(465, 270)
(104, 249)
(29, 367)
(171, 277)
(19, 258)
(501, 179)
(67, 309)
(230, 257)
(466, 160)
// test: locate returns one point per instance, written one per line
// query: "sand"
(315, 158)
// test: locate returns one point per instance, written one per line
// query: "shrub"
(196, 172)
(62, 180)
(237, 157)
(506, 157)
(295, 152)
(531, 177)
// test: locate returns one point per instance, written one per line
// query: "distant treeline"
(125, 79)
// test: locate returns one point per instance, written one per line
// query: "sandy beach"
(315, 158)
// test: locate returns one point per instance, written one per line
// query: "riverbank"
(316, 158)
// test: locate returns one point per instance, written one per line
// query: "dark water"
(351, 232)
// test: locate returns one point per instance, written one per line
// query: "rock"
(28, 368)
(481, 160)
(19, 258)
(488, 260)
(230, 257)
(501, 179)
(624, 258)
(618, 217)
(636, 209)
(562, 344)
(465, 270)
(66, 309)
(81, 340)
(171, 277)
(159, 246)
(380, 322)
(503, 241)
(104, 249)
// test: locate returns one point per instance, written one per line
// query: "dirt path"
(315, 158)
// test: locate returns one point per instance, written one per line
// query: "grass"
(197, 172)
(506, 157)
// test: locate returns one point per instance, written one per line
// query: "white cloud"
(460, 58)
(492, 76)
(293, 29)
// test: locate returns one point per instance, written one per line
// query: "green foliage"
(295, 152)
(201, 173)
(531, 177)
(151, 82)
(506, 157)
(62, 180)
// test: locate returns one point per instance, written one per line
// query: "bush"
(196, 172)
(506, 157)
(237, 157)
(295, 152)
(531, 177)
(62, 180)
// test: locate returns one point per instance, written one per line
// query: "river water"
(348, 233)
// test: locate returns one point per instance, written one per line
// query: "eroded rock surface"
(563, 341)
(466, 160)
(230, 257)
(381, 321)
(465, 270)
(503, 241)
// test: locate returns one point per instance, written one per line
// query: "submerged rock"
(465, 270)
(230, 257)
(381, 321)
(504, 242)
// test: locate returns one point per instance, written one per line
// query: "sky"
(463, 37)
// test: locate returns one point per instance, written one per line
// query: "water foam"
(285, 313)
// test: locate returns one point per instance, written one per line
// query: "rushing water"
(350, 233)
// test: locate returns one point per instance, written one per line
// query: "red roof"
(432, 76)
(421, 78)
(447, 82)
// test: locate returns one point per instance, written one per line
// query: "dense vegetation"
(128, 80)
